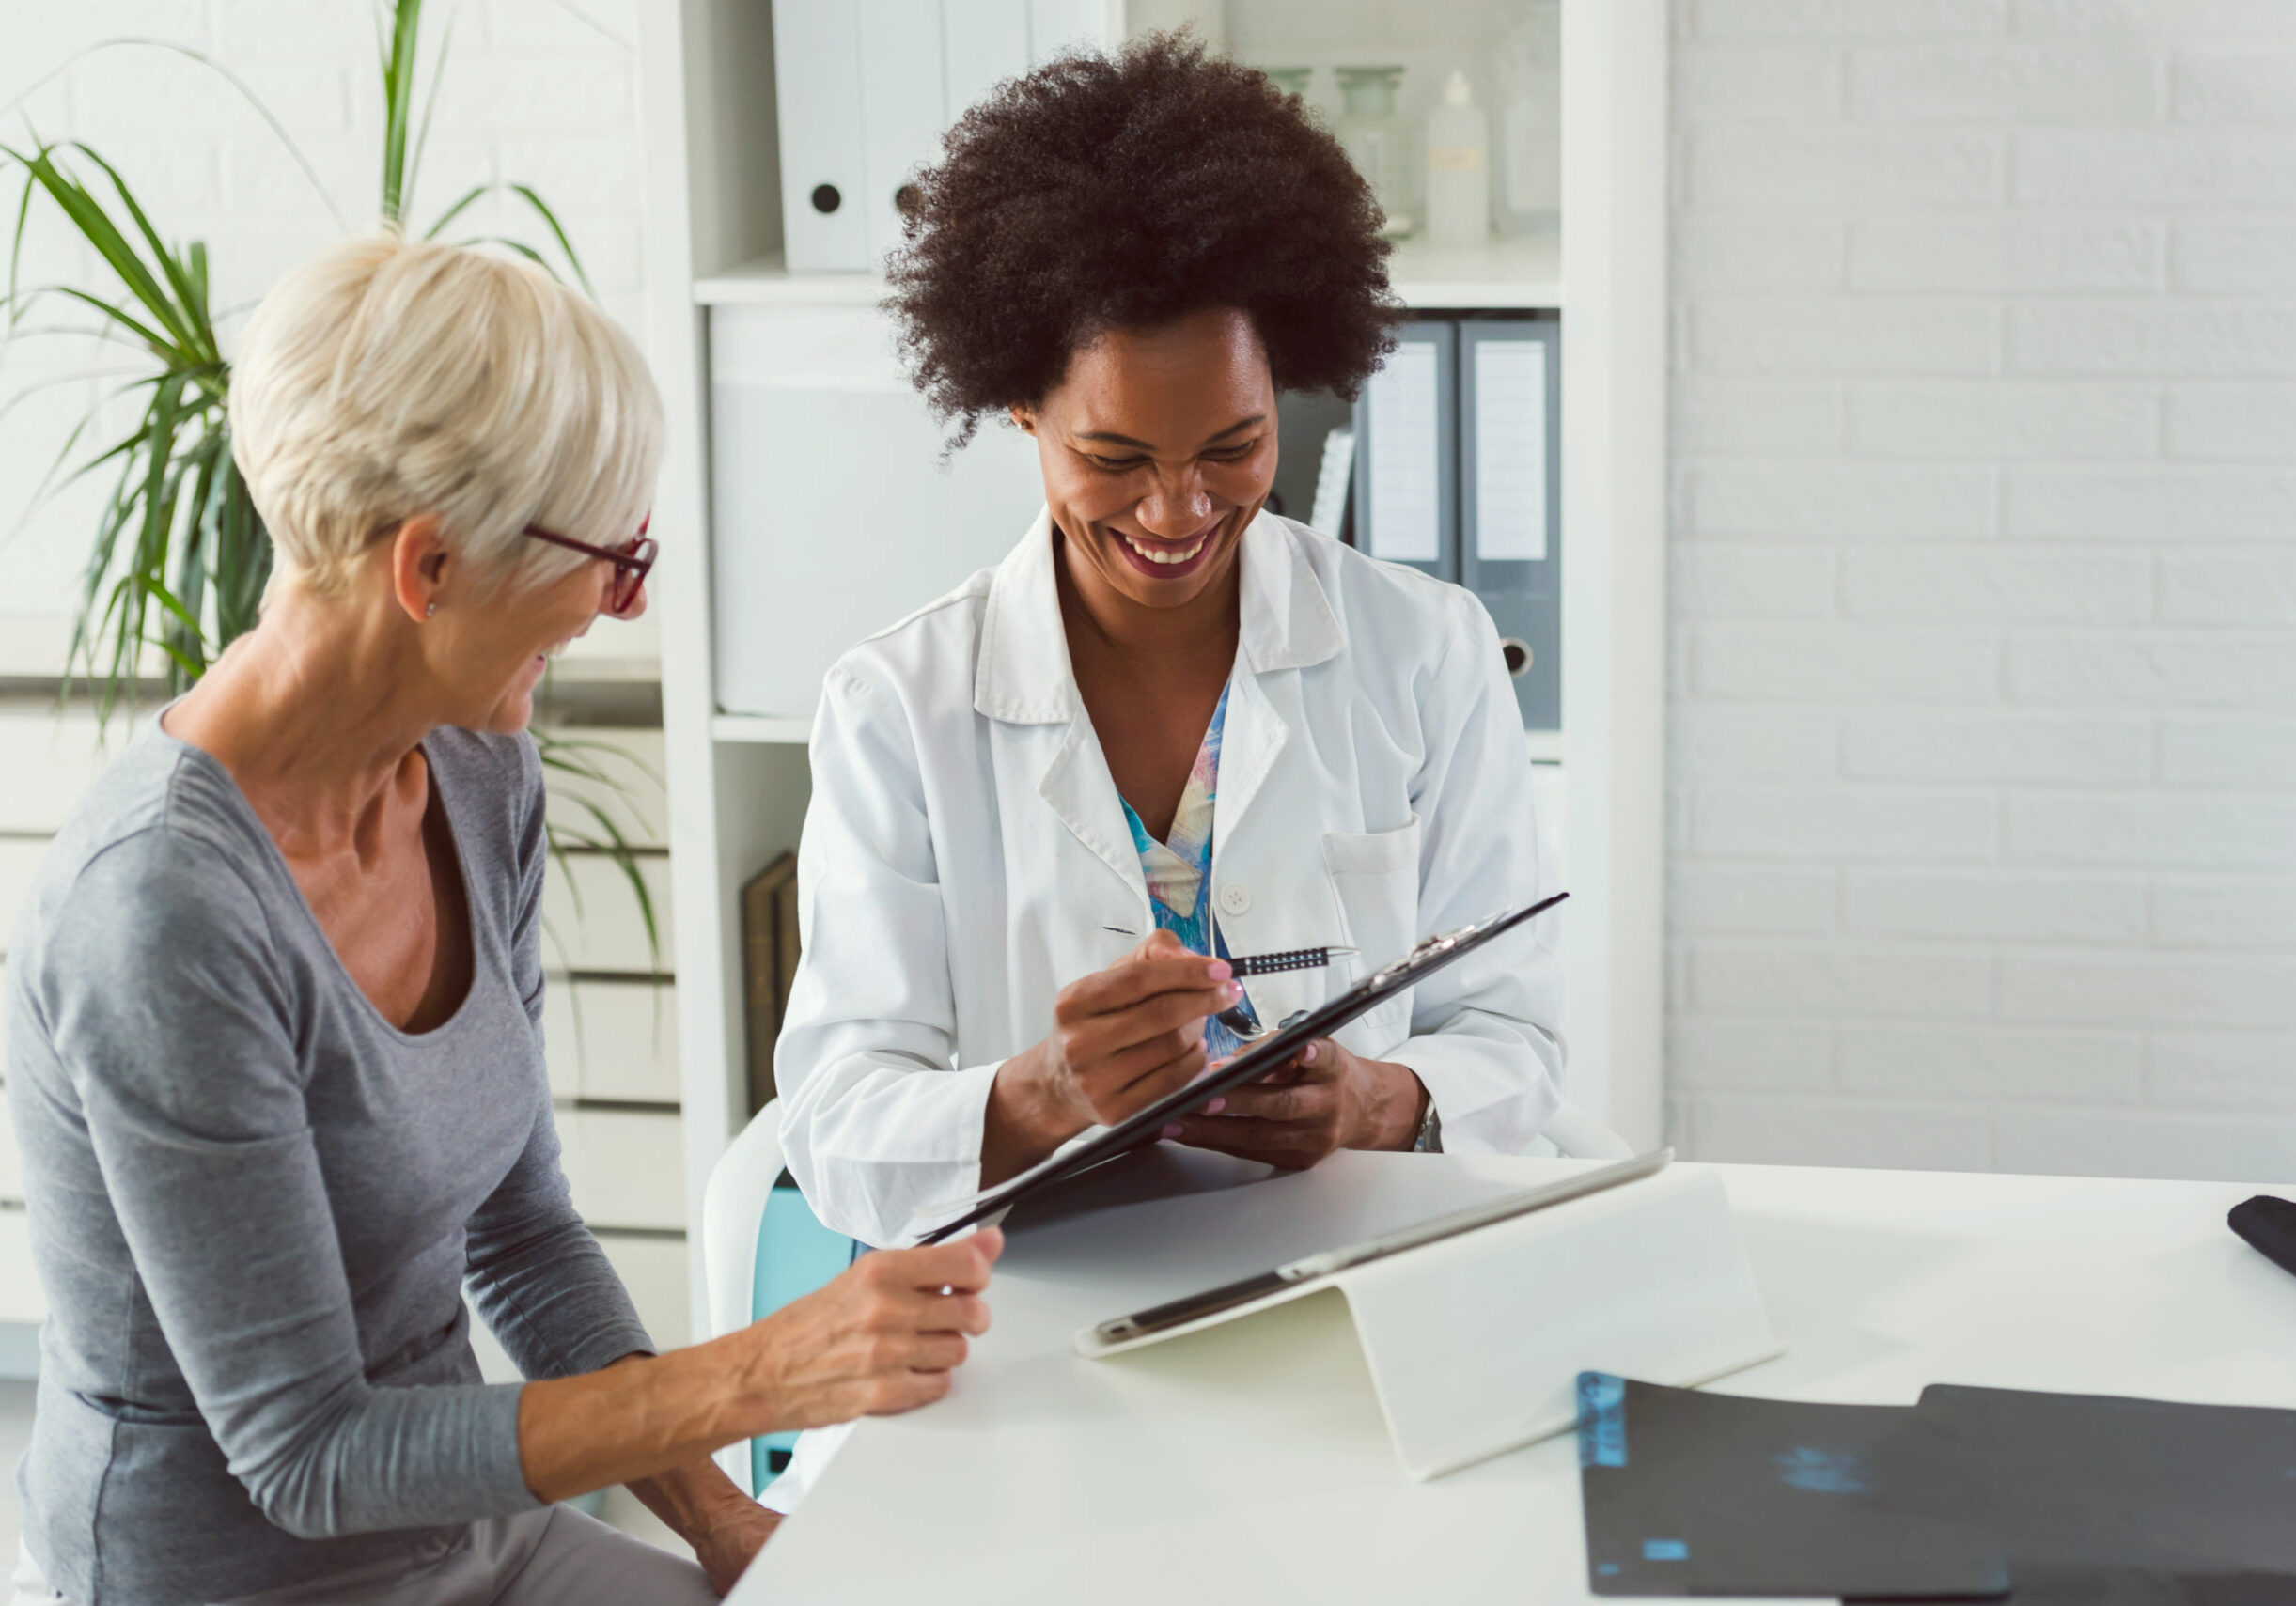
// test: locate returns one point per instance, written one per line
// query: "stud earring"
(429, 611)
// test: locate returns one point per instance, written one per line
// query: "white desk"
(1249, 1462)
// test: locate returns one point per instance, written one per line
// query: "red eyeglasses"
(633, 561)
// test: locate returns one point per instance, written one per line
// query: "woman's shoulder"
(1397, 605)
(161, 849)
(506, 762)
(165, 799)
(502, 767)
(492, 787)
(934, 647)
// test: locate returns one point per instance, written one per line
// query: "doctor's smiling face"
(1158, 446)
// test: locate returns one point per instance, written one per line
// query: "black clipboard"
(1254, 1062)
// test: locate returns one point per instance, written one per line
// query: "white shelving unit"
(739, 781)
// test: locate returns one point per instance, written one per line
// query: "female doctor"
(1171, 724)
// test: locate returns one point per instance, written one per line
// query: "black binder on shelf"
(1510, 498)
(1406, 452)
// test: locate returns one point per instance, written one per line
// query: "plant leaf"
(159, 345)
(456, 211)
(95, 224)
(15, 262)
(187, 297)
(509, 244)
(397, 104)
(549, 220)
(431, 106)
(572, 756)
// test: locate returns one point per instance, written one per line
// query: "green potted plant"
(178, 558)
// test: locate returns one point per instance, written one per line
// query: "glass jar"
(1290, 80)
(1376, 139)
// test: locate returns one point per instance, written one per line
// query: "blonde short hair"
(388, 378)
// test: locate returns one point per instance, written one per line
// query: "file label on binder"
(1406, 450)
(1510, 451)
(1510, 535)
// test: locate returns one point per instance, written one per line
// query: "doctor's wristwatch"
(1429, 1140)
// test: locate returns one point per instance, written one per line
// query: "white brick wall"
(536, 90)
(1984, 585)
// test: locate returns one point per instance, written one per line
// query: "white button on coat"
(966, 846)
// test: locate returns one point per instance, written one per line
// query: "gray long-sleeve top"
(254, 1202)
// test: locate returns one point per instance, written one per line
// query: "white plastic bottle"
(1458, 168)
(1528, 194)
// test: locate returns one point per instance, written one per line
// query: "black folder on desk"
(2054, 1498)
(1696, 1493)
(2101, 1481)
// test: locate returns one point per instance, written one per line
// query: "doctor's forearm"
(1122, 1039)
(1025, 1120)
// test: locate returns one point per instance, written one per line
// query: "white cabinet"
(653, 1270)
(48, 760)
(611, 1041)
(624, 1168)
(20, 860)
(637, 802)
(11, 1169)
(833, 513)
(21, 1298)
(591, 920)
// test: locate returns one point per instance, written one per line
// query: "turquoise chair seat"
(796, 1254)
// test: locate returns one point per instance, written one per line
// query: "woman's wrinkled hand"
(883, 1338)
(732, 1541)
(1323, 1099)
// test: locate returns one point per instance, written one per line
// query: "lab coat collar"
(1024, 676)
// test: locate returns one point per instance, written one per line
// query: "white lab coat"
(965, 852)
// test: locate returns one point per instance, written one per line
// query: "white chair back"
(732, 1210)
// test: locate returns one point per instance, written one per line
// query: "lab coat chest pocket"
(1375, 879)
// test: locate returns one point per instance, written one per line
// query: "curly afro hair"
(1122, 191)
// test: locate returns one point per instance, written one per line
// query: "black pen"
(1270, 964)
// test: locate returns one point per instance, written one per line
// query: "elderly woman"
(272, 1044)
(1172, 728)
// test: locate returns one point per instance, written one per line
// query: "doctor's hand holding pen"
(1125, 1037)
